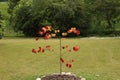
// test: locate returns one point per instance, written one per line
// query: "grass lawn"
(98, 59)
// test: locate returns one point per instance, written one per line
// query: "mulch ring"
(61, 77)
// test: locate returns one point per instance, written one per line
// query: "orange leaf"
(39, 50)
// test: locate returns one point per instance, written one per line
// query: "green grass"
(96, 57)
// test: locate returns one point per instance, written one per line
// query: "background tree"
(23, 18)
(0, 18)
(12, 4)
(104, 15)
(3, 0)
(88, 16)
(0, 25)
(68, 13)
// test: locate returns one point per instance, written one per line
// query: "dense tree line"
(0, 20)
(97, 17)
(3, 0)
(0, 25)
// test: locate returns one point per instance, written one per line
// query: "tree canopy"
(88, 16)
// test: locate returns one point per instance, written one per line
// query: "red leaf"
(66, 46)
(34, 51)
(70, 65)
(48, 47)
(41, 32)
(63, 47)
(43, 50)
(62, 60)
(76, 48)
(47, 36)
(77, 32)
(44, 29)
(67, 65)
(69, 31)
(37, 38)
(48, 28)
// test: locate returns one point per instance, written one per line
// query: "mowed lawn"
(97, 59)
